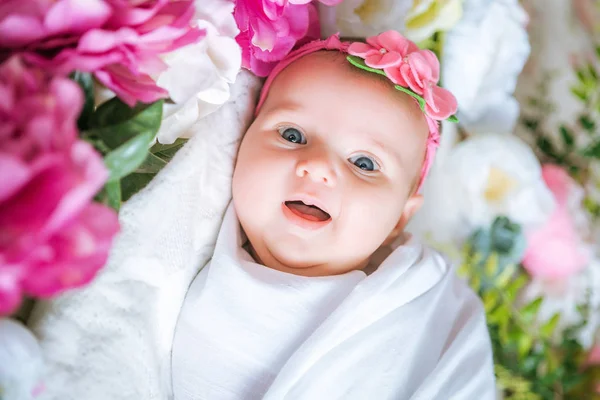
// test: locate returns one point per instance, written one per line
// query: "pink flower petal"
(20, 30)
(15, 175)
(130, 88)
(424, 66)
(440, 103)
(90, 35)
(395, 75)
(383, 60)
(78, 252)
(410, 80)
(76, 16)
(10, 288)
(361, 49)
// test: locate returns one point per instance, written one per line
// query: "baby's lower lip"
(303, 221)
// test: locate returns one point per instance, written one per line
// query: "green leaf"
(168, 153)
(504, 277)
(133, 183)
(587, 123)
(116, 123)
(567, 136)
(453, 118)
(160, 147)
(151, 165)
(530, 123)
(126, 158)
(592, 72)
(530, 311)
(489, 301)
(113, 192)
(360, 63)
(86, 82)
(580, 93)
(546, 146)
(592, 151)
(513, 288)
(524, 344)
(547, 329)
(420, 99)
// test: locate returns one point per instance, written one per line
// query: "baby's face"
(325, 173)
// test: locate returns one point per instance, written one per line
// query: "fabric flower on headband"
(412, 70)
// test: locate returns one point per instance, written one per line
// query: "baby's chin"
(307, 262)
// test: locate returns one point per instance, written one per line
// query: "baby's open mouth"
(307, 211)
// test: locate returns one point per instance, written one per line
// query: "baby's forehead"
(326, 78)
(322, 92)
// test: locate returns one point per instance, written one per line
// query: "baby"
(296, 302)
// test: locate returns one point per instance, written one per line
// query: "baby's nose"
(319, 170)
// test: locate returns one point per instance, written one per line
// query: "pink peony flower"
(385, 50)
(270, 29)
(51, 236)
(118, 40)
(554, 250)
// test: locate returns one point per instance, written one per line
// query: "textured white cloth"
(112, 340)
(241, 321)
(409, 330)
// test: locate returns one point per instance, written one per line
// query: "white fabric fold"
(410, 330)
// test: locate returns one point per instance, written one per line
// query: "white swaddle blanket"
(112, 340)
(409, 330)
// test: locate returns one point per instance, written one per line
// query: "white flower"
(429, 16)
(417, 19)
(565, 296)
(482, 58)
(21, 362)
(479, 179)
(199, 75)
(363, 18)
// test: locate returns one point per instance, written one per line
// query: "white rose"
(479, 179)
(199, 75)
(482, 58)
(363, 18)
(417, 19)
(429, 16)
(21, 362)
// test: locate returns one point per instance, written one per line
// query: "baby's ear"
(413, 204)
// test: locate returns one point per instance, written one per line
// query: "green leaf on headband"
(420, 99)
(360, 63)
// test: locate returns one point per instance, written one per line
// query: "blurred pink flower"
(118, 40)
(270, 29)
(51, 236)
(554, 250)
(594, 356)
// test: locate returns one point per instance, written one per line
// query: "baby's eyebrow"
(381, 147)
(285, 107)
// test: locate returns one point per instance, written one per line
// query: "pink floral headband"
(413, 71)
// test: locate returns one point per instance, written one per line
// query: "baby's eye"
(292, 135)
(364, 162)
